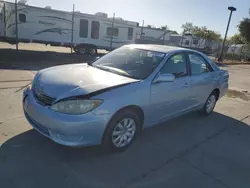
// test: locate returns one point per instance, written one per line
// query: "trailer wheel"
(81, 50)
(92, 51)
(75, 50)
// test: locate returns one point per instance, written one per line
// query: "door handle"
(185, 85)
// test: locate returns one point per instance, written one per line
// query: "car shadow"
(36, 60)
(31, 160)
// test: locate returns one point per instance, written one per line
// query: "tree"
(149, 26)
(236, 39)
(244, 29)
(172, 32)
(164, 28)
(187, 27)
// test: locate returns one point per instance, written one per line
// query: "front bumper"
(70, 130)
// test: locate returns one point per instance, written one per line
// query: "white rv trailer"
(152, 34)
(54, 27)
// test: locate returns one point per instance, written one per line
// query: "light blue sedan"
(111, 100)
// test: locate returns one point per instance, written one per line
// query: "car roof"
(159, 48)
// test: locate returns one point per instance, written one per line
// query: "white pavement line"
(23, 87)
(15, 118)
(205, 173)
(31, 73)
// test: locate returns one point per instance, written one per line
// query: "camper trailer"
(151, 35)
(85, 32)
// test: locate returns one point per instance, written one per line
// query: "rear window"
(214, 65)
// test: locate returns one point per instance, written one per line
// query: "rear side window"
(84, 26)
(198, 64)
(214, 65)
(176, 65)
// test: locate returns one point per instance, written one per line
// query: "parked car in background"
(111, 100)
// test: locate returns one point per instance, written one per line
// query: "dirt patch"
(230, 62)
(244, 95)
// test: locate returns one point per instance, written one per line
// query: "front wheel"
(210, 104)
(121, 131)
(92, 51)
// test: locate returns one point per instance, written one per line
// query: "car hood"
(78, 79)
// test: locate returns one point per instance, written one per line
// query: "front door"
(171, 98)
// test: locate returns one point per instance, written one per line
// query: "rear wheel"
(210, 104)
(121, 131)
(86, 49)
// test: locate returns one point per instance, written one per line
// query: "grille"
(43, 98)
(36, 125)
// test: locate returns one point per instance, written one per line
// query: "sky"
(173, 13)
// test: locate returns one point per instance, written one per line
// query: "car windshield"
(130, 62)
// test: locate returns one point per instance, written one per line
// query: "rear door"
(203, 78)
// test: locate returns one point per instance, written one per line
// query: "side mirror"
(164, 78)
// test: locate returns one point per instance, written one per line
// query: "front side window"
(176, 65)
(130, 62)
(112, 31)
(84, 26)
(22, 18)
(198, 64)
(195, 41)
(130, 33)
(186, 42)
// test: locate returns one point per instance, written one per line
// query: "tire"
(82, 50)
(92, 51)
(110, 139)
(209, 105)
(76, 50)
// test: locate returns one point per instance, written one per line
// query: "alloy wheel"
(123, 132)
(210, 104)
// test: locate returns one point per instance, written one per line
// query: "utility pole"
(16, 25)
(111, 39)
(72, 29)
(142, 30)
(224, 41)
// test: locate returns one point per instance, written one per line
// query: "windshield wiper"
(114, 71)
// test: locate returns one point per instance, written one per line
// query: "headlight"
(75, 106)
